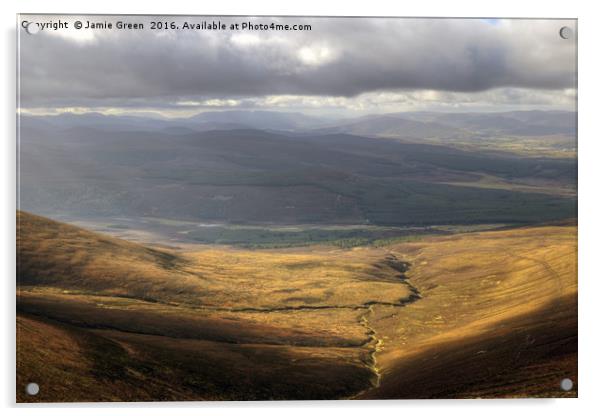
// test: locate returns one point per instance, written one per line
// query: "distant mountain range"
(294, 170)
(411, 125)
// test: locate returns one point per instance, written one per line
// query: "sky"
(342, 66)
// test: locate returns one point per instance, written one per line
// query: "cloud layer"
(339, 59)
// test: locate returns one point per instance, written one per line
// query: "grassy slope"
(72, 364)
(498, 314)
(236, 324)
(497, 311)
(57, 255)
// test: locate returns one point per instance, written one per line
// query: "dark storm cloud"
(338, 57)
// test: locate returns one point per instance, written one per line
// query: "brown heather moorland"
(482, 314)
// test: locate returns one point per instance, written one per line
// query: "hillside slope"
(483, 314)
(498, 316)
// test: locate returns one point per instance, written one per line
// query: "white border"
(590, 231)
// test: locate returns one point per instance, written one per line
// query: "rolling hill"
(395, 125)
(258, 177)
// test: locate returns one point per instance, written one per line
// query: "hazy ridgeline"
(269, 168)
